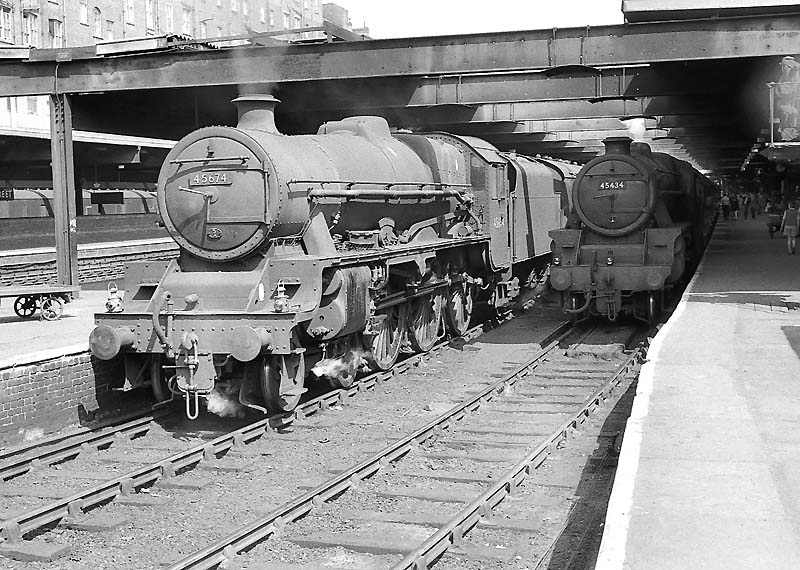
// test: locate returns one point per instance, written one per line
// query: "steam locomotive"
(347, 247)
(640, 221)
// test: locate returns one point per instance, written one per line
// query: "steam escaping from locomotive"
(637, 127)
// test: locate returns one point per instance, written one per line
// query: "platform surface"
(709, 473)
(23, 341)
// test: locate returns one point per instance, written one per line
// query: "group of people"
(754, 203)
(751, 203)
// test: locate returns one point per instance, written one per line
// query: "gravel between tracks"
(278, 467)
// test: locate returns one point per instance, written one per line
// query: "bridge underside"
(693, 88)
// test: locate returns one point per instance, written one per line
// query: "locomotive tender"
(640, 221)
(351, 245)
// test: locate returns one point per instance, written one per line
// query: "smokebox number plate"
(216, 178)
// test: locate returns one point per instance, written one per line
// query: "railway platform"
(709, 471)
(27, 340)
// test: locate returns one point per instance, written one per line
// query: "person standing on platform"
(735, 206)
(789, 224)
(725, 203)
(746, 201)
(757, 204)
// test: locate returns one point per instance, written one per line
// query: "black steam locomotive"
(326, 252)
(639, 221)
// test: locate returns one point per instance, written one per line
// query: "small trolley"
(48, 300)
(774, 223)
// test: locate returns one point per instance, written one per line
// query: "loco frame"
(323, 252)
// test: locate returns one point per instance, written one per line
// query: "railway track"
(120, 443)
(468, 448)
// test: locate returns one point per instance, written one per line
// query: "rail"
(248, 535)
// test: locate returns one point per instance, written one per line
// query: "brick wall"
(48, 395)
(96, 262)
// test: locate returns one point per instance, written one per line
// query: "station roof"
(661, 10)
(695, 88)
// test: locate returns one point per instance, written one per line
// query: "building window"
(56, 33)
(286, 20)
(109, 30)
(83, 12)
(6, 24)
(262, 15)
(219, 31)
(129, 12)
(170, 18)
(30, 29)
(97, 23)
(203, 30)
(150, 16)
(245, 8)
(186, 21)
(297, 24)
(219, 3)
(234, 5)
(271, 18)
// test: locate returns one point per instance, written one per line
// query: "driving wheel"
(424, 320)
(459, 308)
(383, 346)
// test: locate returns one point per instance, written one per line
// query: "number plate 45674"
(216, 178)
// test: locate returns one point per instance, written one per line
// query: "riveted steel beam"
(64, 190)
(552, 50)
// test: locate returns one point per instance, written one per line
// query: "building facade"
(70, 23)
(47, 24)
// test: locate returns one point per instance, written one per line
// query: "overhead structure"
(695, 88)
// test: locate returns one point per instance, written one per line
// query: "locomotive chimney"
(618, 145)
(257, 112)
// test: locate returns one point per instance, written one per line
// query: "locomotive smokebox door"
(215, 196)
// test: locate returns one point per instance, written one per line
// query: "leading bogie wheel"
(424, 320)
(52, 308)
(25, 307)
(653, 307)
(282, 379)
(158, 380)
(459, 308)
(574, 303)
(383, 346)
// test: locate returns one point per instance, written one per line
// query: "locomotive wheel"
(25, 307)
(653, 307)
(384, 346)
(424, 320)
(158, 382)
(459, 308)
(574, 304)
(52, 309)
(282, 382)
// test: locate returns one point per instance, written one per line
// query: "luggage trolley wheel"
(25, 306)
(52, 308)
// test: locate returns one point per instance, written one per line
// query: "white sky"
(409, 18)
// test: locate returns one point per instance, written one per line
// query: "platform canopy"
(695, 87)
